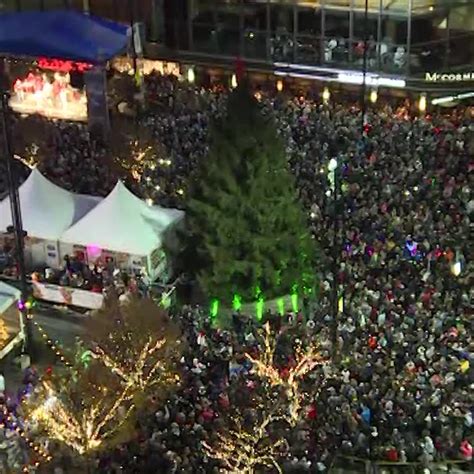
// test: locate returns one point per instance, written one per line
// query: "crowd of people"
(401, 389)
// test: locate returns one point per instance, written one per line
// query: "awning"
(62, 35)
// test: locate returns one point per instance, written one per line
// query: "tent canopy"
(62, 35)
(8, 295)
(46, 209)
(123, 223)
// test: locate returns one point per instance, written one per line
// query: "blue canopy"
(62, 35)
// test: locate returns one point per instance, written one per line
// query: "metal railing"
(356, 465)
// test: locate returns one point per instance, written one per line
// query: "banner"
(97, 108)
(67, 295)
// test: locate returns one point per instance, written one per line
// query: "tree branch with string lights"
(138, 343)
(84, 408)
(91, 405)
(306, 359)
(247, 447)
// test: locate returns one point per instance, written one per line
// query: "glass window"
(308, 36)
(309, 21)
(336, 37)
(204, 26)
(216, 27)
(8, 5)
(254, 17)
(281, 33)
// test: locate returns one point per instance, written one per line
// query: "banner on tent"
(67, 295)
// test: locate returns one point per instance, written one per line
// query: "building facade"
(425, 40)
(404, 37)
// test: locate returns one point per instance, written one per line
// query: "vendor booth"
(124, 231)
(66, 79)
(47, 212)
(11, 327)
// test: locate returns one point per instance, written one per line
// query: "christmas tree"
(247, 232)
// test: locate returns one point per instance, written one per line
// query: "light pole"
(364, 66)
(16, 211)
(335, 189)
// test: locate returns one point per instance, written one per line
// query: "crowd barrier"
(355, 465)
(68, 296)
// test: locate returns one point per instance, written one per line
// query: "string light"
(244, 450)
(52, 345)
(33, 446)
(82, 430)
(305, 362)
(143, 374)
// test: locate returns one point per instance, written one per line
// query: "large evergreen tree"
(247, 231)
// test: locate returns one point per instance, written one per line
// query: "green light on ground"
(237, 303)
(214, 310)
(281, 306)
(294, 302)
(259, 308)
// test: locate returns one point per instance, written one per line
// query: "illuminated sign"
(452, 98)
(449, 77)
(371, 80)
(63, 65)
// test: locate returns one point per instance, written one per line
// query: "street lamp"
(422, 103)
(326, 95)
(332, 165)
(17, 226)
(191, 75)
(456, 268)
(373, 96)
(337, 300)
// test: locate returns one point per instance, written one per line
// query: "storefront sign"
(61, 65)
(449, 77)
(371, 80)
(67, 295)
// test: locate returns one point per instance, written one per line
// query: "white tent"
(46, 209)
(122, 223)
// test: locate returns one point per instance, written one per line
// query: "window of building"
(308, 35)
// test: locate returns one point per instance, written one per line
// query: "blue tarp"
(61, 35)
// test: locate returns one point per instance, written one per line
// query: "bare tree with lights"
(306, 360)
(89, 407)
(138, 343)
(84, 409)
(246, 448)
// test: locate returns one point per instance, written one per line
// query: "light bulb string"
(14, 427)
(53, 345)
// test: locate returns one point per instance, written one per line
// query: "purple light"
(94, 251)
